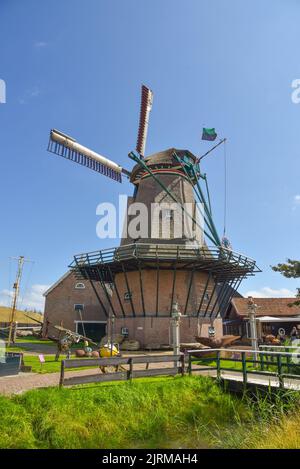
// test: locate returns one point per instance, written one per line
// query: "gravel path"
(26, 381)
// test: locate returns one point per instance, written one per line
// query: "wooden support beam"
(128, 289)
(204, 293)
(189, 291)
(141, 288)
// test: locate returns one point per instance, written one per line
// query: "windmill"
(147, 274)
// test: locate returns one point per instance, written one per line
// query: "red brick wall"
(158, 330)
(149, 283)
(59, 305)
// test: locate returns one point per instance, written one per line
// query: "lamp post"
(112, 332)
(252, 307)
(175, 328)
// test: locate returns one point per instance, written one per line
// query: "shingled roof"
(276, 307)
(162, 158)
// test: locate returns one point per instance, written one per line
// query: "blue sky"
(78, 66)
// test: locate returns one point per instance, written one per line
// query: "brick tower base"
(153, 330)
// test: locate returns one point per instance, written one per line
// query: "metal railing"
(274, 348)
(269, 364)
(163, 251)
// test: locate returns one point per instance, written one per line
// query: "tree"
(290, 270)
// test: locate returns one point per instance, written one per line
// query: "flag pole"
(209, 151)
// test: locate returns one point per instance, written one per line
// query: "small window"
(168, 214)
(127, 295)
(78, 307)
(80, 286)
(206, 297)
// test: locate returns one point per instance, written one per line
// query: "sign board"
(42, 358)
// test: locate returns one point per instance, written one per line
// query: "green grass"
(190, 412)
(224, 364)
(162, 413)
(34, 340)
(50, 365)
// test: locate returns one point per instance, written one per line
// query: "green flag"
(209, 134)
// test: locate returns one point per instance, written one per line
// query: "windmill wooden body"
(145, 275)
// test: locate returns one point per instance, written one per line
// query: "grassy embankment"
(191, 412)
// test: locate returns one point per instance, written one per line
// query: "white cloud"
(33, 298)
(297, 199)
(35, 92)
(40, 44)
(30, 94)
(268, 292)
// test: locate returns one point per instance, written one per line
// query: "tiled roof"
(267, 307)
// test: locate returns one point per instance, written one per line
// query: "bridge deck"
(269, 369)
(253, 379)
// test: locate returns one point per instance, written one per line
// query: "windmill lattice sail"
(67, 147)
(146, 106)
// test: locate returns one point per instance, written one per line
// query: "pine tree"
(291, 269)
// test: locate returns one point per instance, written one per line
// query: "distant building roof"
(276, 307)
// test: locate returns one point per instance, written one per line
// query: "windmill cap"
(163, 158)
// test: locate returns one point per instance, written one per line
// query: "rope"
(225, 188)
(9, 283)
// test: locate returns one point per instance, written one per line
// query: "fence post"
(218, 365)
(261, 357)
(190, 364)
(182, 361)
(62, 373)
(244, 365)
(279, 368)
(130, 371)
(288, 361)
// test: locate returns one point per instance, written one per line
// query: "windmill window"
(80, 286)
(127, 295)
(206, 297)
(78, 307)
(168, 214)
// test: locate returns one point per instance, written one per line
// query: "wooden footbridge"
(247, 369)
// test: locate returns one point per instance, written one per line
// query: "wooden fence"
(178, 367)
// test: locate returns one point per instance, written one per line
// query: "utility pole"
(252, 307)
(16, 288)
